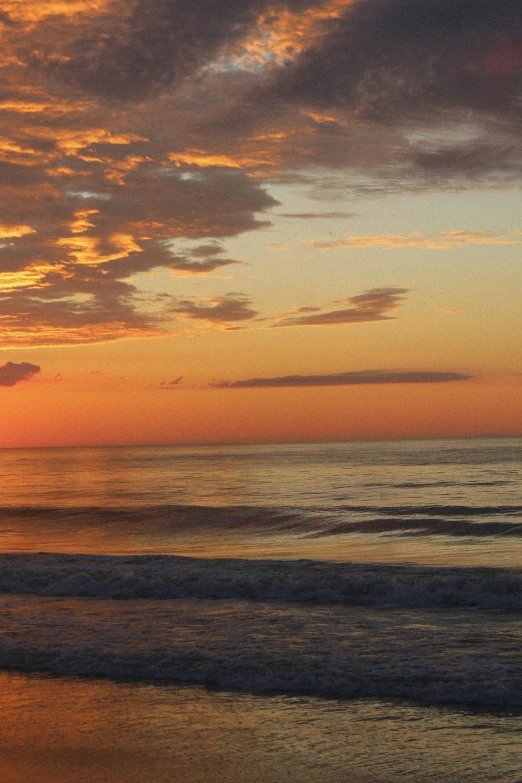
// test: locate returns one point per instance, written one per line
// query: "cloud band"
(343, 379)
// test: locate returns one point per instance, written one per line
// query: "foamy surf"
(433, 656)
(304, 581)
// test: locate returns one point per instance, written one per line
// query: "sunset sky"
(237, 220)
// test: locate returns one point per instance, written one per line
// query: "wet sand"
(57, 730)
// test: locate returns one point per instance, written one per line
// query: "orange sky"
(291, 221)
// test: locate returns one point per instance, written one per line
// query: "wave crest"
(167, 577)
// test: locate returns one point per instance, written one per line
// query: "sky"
(248, 221)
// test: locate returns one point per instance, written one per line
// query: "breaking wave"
(305, 581)
(448, 655)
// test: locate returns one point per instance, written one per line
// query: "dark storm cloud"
(11, 373)
(472, 159)
(391, 58)
(370, 306)
(344, 379)
(432, 65)
(413, 93)
(144, 46)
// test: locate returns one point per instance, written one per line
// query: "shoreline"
(60, 728)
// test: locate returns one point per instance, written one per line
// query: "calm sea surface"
(384, 576)
(433, 502)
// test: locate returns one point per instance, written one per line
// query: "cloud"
(171, 384)
(218, 310)
(439, 241)
(235, 310)
(129, 129)
(206, 250)
(318, 215)
(152, 254)
(435, 66)
(94, 317)
(142, 47)
(187, 267)
(7, 232)
(91, 196)
(200, 260)
(395, 58)
(372, 305)
(344, 379)
(11, 373)
(6, 19)
(66, 252)
(397, 94)
(458, 40)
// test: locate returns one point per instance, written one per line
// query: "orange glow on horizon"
(81, 416)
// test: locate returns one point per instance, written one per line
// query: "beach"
(58, 729)
(298, 612)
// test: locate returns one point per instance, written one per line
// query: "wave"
(437, 510)
(414, 519)
(424, 527)
(429, 484)
(157, 517)
(444, 656)
(303, 581)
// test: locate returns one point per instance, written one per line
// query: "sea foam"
(167, 577)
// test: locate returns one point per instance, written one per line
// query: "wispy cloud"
(319, 215)
(437, 241)
(344, 379)
(372, 305)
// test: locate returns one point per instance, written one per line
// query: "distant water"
(434, 502)
(345, 570)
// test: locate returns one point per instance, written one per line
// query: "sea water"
(386, 577)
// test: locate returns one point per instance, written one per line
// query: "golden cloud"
(441, 241)
(7, 232)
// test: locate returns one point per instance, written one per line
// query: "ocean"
(352, 608)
